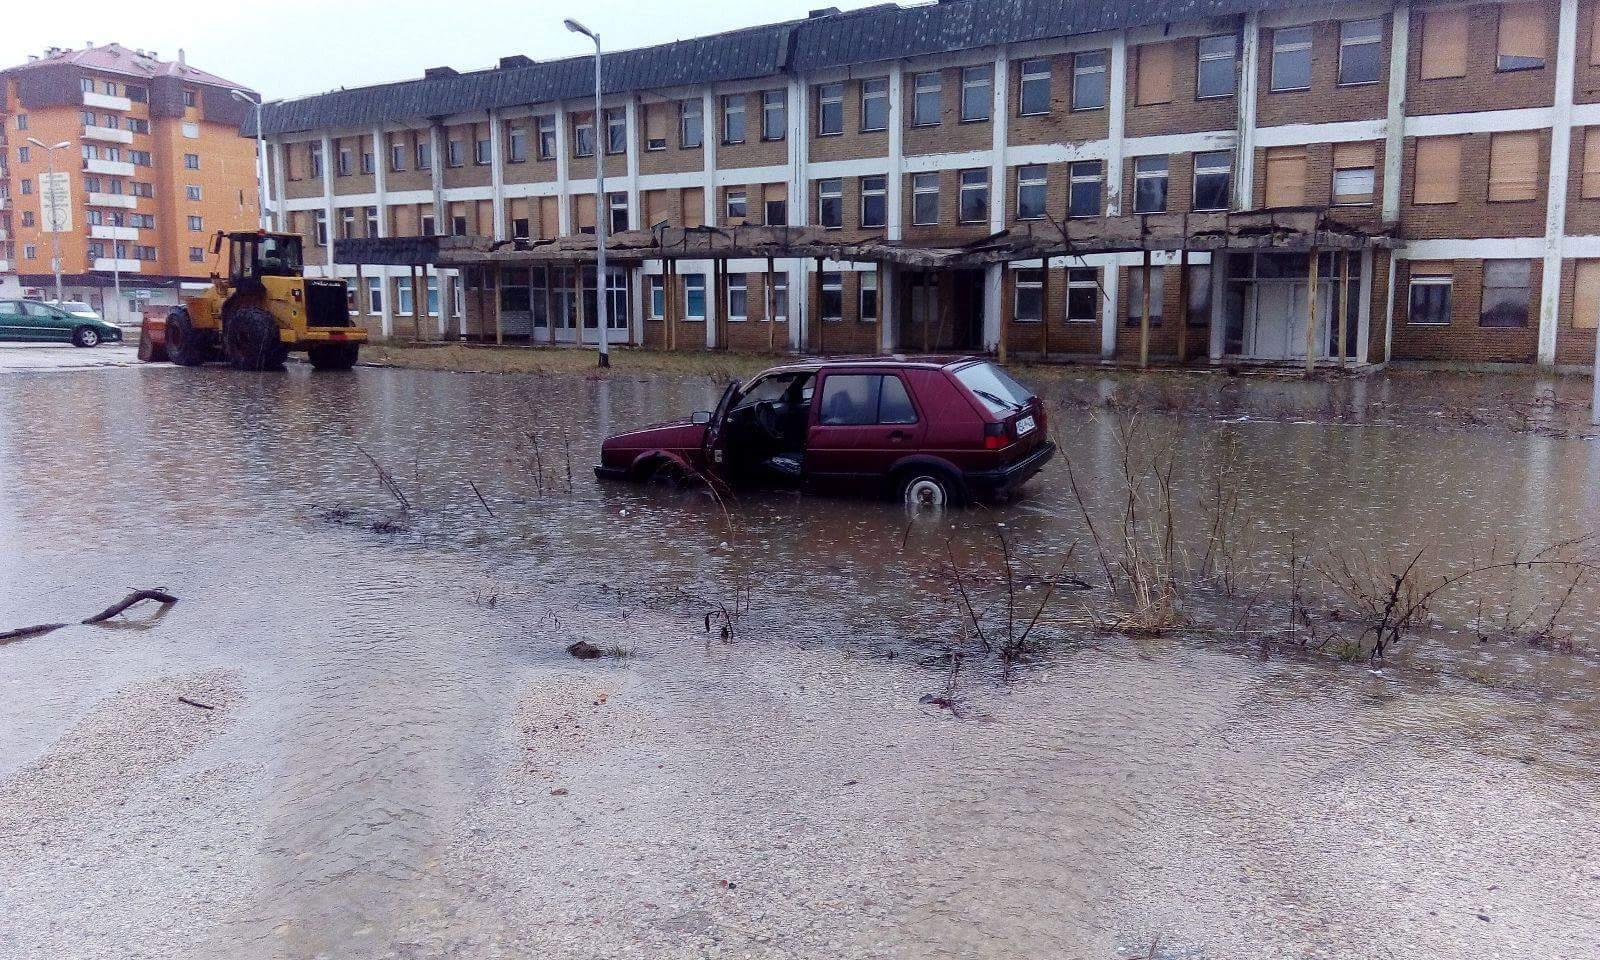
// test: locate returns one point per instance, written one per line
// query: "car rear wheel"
(86, 336)
(927, 488)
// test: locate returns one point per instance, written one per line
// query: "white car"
(77, 308)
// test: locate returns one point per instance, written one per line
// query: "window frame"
(830, 95)
(1345, 42)
(831, 288)
(973, 78)
(691, 109)
(867, 283)
(1080, 72)
(1028, 73)
(728, 197)
(1165, 177)
(737, 283)
(964, 188)
(1413, 282)
(831, 189)
(616, 120)
(874, 89)
(933, 90)
(734, 106)
(769, 106)
(1286, 48)
(1030, 281)
(1090, 283)
(1202, 57)
(1034, 178)
(544, 126)
(869, 188)
(1490, 266)
(1227, 172)
(1075, 177)
(919, 190)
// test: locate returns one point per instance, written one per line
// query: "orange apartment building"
(153, 166)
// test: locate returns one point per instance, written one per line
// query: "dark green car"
(30, 320)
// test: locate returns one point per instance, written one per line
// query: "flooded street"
(402, 761)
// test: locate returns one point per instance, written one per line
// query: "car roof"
(896, 361)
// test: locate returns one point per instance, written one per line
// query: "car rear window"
(994, 387)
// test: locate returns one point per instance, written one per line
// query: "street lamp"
(601, 213)
(261, 155)
(55, 207)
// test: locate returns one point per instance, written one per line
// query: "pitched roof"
(115, 58)
(827, 38)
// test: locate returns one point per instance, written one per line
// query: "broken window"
(1213, 180)
(974, 196)
(1136, 295)
(1507, 287)
(1083, 294)
(1150, 185)
(1521, 41)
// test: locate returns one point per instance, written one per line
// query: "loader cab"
(252, 256)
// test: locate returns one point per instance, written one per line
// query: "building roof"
(827, 38)
(115, 58)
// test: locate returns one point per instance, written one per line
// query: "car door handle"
(899, 435)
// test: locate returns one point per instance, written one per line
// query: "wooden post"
(549, 311)
(1044, 312)
(1008, 310)
(772, 306)
(483, 309)
(669, 300)
(1311, 314)
(1144, 313)
(719, 299)
(822, 322)
(582, 313)
(1344, 304)
(499, 325)
(1183, 306)
(416, 308)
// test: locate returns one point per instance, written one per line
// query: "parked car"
(33, 320)
(928, 431)
(77, 308)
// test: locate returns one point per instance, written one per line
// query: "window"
(137, 188)
(1291, 58)
(582, 135)
(1586, 295)
(1438, 170)
(874, 201)
(1444, 43)
(427, 226)
(830, 109)
(521, 228)
(776, 210)
(832, 295)
(90, 185)
(320, 227)
(927, 94)
(874, 104)
(774, 114)
(23, 154)
(136, 93)
(1213, 180)
(453, 155)
(1033, 88)
(1521, 42)
(191, 192)
(22, 121)
(1084, 188)
(1286, 177)
(189, 98)
(1506, 290)
(397, 156)
(1083, 294)
(617, 203)
(1514, 166)
(1360, 51)
(655, 126)
(197, 223)
(1135, 313)
(368, 162)
(458, 225)
(736, 204)
(691, 124)
(27, 217)
(1031, 192)
(137, 125)
(977, 93)
(830, 203)
(30, 252)
(1430, 289)
(482, 151)
(145, 253)
(1153, 78)
(405, 297)
(658, 296)
(424, 151)
(868, 281)
(733, 118)
(86, 84)
(1591, 163)
(191, 161)
(616, 130)
(974, 206)
(1089, 80)
(110, 88)
(1150, 185)
(516, 144)
(925, 199)
(1354, 173)
(861, 399)
(372, 221)
(738, 296)
(197, 254)
(27, 187)
(694, 296)
(1029, 299)
(1215, 69)
(545, 129)
(91, 152)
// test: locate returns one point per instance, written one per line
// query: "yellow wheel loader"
(264, 308)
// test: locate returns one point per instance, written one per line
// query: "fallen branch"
(482, 501)
(196, 703)
(22, 633)
(138, 596)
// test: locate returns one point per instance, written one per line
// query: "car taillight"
(996, 436)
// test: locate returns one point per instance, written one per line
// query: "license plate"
(1025, 426)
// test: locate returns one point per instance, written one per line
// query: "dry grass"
(626, 362)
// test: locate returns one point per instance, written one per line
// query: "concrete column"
(799, 207)
(380, 178)
(1555, 225)
(563, 175)
(999, 131)
(328, 160)
(1244, 176)
(711, 135)
(1108, 309)
(1116, 120)
(1394, 139)
(1364, 307)
(635, 140)
(497, 181)
(280, 216)
(897, 155)
(382, 274)
(888, 302)
(436, 169)
(1220, 263)
(1388, 312)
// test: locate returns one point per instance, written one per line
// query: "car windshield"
(994, 387)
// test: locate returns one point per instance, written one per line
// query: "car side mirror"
(700, 416)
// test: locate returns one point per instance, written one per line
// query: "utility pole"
(54, 196)
(261, 156)
(602, 213)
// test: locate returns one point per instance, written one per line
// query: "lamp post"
(261, 156)
(601, 213)
(55, 207)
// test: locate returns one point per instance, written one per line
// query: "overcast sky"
(287, 48)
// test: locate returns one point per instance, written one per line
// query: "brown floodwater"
(403, 762)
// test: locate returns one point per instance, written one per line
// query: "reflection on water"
(400, 740)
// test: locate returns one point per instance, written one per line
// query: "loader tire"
(186, 346)
(250, 339)
(340, 356)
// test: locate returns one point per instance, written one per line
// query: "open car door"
(716, 436)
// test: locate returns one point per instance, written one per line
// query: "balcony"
(108, 134)
(123, 201)
(109, 265)
(105, 101)
(105, 232)
(110, 168)
(5, 266)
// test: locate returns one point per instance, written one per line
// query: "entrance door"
(1277, 327)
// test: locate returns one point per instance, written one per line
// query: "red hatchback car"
(930, 431)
